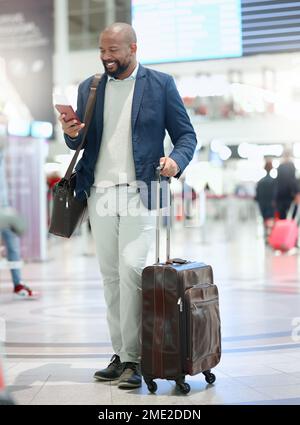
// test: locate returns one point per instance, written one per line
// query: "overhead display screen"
(178, 31)
(271, 26)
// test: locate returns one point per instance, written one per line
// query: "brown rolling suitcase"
(180, 318)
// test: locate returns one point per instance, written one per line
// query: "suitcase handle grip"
(177, 261)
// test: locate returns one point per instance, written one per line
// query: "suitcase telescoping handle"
(294, 213)
(158, 216)
(158, 220)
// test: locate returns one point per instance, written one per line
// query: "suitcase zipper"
(201, 285)
(182, 326)
(203, 302)
(179, 303)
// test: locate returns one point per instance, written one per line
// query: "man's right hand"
(71, 128)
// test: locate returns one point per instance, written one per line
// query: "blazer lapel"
(138, 94)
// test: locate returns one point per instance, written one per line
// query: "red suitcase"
(180, 319)
(284, 234)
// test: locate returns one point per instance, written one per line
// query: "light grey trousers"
(123, 230)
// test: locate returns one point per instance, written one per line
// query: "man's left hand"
(170, 168)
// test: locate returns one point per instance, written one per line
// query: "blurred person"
(86, 237)
(208, 190)
(9, 219)
(265, 198)
(287, 188)
(189, 195)
(134, 107)
(9, 235)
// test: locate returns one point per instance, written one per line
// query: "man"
(265, 198)
(124, 146)
(286, 185)
(10, 234)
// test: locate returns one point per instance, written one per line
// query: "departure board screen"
(270, 26)
(176, 30)
(187, 30)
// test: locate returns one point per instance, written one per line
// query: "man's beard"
(120, 69)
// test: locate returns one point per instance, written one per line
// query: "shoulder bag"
(67, 210)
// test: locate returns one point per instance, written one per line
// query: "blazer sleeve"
(73, 143)
(179, 127)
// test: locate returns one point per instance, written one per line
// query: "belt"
(127, 185)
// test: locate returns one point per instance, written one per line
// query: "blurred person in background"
(188, 196)
(287, 188)
(10, 237)
(265, 198)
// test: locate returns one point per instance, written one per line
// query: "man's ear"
(133, 47)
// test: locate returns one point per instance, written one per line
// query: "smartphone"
(69, 112)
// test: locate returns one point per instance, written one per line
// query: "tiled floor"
(55, 344)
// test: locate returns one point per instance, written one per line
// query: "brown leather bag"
(180, 319)
(67, 210)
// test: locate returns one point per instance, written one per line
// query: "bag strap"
(87, 120)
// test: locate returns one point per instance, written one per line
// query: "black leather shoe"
(131, 376)
(113, 370)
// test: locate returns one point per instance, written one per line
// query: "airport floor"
(55, 344)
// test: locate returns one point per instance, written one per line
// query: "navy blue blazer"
(156, 107)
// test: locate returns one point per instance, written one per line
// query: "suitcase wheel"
(209, 377)
(182, 386)
(151, 385)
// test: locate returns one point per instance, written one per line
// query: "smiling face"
(117, 52)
